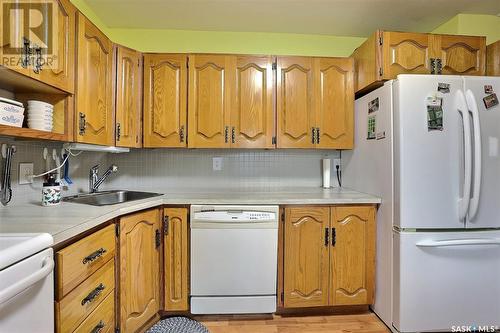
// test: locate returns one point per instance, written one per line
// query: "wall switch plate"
(217, 163)
(25, 173)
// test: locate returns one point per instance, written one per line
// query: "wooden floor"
(342, 323)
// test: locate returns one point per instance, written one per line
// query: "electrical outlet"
(25, 173)
(217, 163)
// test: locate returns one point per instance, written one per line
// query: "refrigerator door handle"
(474, 201)
(459, 242)
(463, 202)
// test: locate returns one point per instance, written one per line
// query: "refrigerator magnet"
(443, 88)
(490, 101)
(371, 127)
(488, 89)
(373, 105)
(434, 114)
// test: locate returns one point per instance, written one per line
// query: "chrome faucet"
(95, 181)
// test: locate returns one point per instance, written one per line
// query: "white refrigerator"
(429, 147)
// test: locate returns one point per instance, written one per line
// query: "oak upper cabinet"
(493, 59)
(353, 255)
(139, 265)
(329, 256)
(165, 100)
(462, 55)
(210, 100)
(128, 98)
(315, 101)
(306, 256)
(386, 54)
(175, 243)
(252, 115)
(334, 103)
(295, 97)
(59, 68)
(94, 87)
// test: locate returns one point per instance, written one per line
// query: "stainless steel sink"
(109, 197)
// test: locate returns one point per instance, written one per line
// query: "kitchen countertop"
(70, 219)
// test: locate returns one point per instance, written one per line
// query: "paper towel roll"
(326, 173)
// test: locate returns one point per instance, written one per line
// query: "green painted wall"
(170, 41)
(468, 24)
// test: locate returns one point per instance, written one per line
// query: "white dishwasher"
(234, 258)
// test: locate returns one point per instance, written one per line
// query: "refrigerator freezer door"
(488, 196)
(428, 162)
(442, 280)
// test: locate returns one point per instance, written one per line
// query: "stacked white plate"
(40, 115)
(11, 112)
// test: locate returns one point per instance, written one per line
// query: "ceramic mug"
(51, 195)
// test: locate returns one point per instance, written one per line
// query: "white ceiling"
(332, 17)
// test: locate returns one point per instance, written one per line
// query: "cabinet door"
(252, 116)
(165, 100)
(295, 107)
(353, 255)
(306, 257)
(493, 59)
(94, 87)
(12, 51)
(58, 69)
(128, 97)
(209, 101)
(176, 259)
(405, 53)
(464, 55)
(139, 269)
(335, 103)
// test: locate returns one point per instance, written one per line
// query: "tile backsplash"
(167, 170)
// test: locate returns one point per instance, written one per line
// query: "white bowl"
(40, 110)
(41, 128)
(39, 122)
(40, 104)
(44, 119)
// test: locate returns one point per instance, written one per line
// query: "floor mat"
(178, 325)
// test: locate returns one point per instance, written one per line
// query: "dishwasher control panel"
(234, 214)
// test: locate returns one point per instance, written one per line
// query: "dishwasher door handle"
(15, 289)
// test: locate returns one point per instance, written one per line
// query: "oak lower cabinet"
(139, 266)
(94, 85)
(165, 100)
(315, 102)
(176, 259)
(128, 113)
(329, 256)
(386, 54)
(85, 284)
(493, 59)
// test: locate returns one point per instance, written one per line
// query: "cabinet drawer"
(79, 303)
(78, 261)
(102, 319)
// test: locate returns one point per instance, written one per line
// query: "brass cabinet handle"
(226, 134)
(25, 60)
(157, 238)
(94, 256)
(233, 135)
(93, 294)
(317, 134)
(82, 124)
(118, 131)
(313, 134)
(181, 134)
(99, 327)
(334, 236)
(326, 237)
(166, 222)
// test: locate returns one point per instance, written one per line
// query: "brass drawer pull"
(98, 328)
(93, 294)
(94, 256)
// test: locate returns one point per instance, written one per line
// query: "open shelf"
(28, 133)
